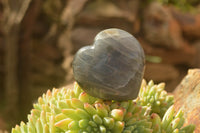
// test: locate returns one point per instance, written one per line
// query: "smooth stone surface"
(112, 68)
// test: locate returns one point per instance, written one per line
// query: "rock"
(163, 73)
(161, 28)
(119, 14)
(197, 56)
(189, 23)
(187, 97)
(160, 72)
(82, 36)
(186, 55)
(110, 9)
(112, 68)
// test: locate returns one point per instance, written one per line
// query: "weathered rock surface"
(189, 23)
(161, 28)
(187, 97)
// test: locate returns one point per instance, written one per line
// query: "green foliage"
(155, 97)
(184, 5)
(153, 59)
(74, 111)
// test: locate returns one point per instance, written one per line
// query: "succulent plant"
(111, 69)
(74, 111)
(155, 97)
(170, 123)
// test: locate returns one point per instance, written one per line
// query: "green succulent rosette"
(155, 97)
(74, 111)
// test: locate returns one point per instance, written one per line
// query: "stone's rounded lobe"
(112, 68)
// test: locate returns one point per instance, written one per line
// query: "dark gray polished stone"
(112, 68)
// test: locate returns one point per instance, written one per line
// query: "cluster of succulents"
(74, 111)
(155, 97)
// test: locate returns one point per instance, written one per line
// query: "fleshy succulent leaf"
(155, 97)
(73, 111)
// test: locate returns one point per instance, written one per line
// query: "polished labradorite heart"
(112, 68)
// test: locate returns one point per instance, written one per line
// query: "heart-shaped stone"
(112, 68)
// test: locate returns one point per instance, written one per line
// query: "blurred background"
(38, 39)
